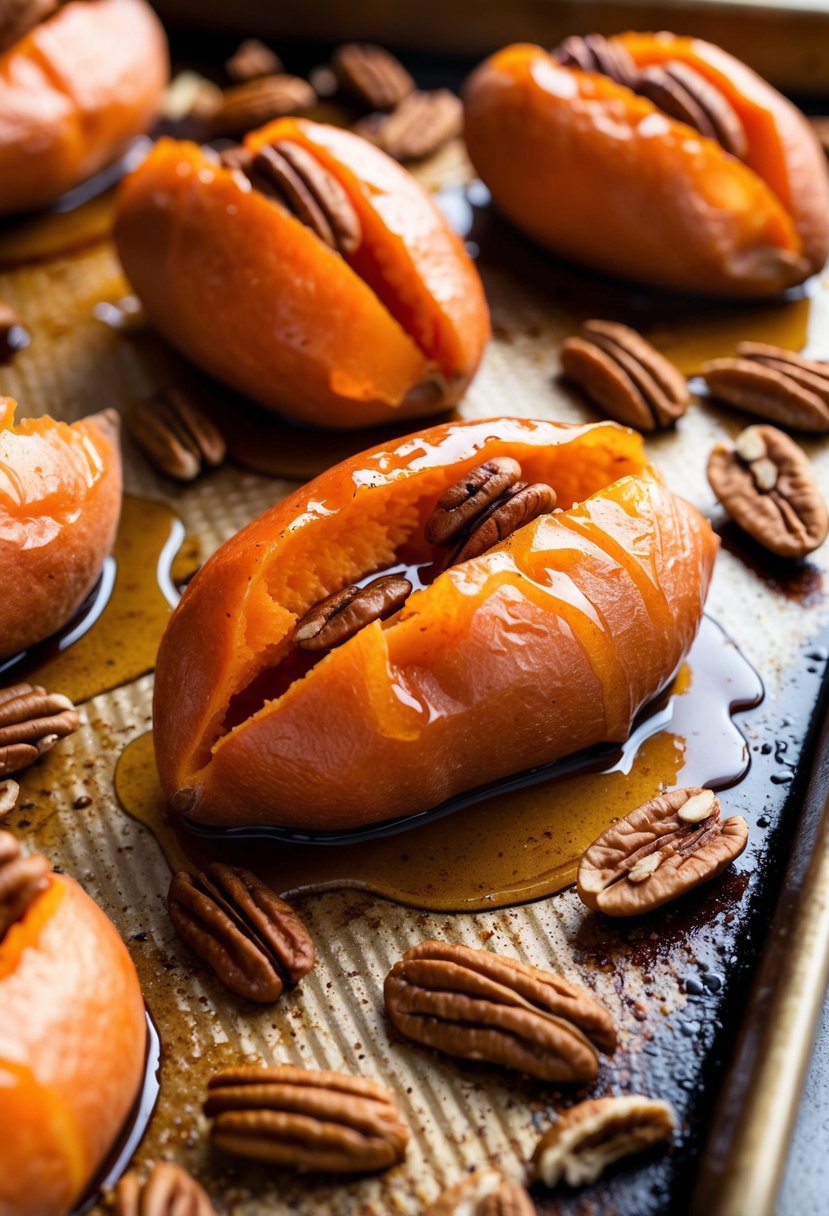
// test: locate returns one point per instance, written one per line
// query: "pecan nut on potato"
(546, 642)
(659, 158)
(483, 1006)
(308, 270)
(72, 1036)
(60, 499)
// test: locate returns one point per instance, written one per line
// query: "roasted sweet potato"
(60, 499)
(543, 644)
(601, 175)
(73, 92)
(389, 323)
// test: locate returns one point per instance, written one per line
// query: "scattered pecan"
(304, 1120)
(9, 792)
(623, 374)
(683, 93)
(371, 75)
(659, 851)
(594, 53)
(292, 175)
(336, 619)
(420, 125)
(484, 1193)
(251, 60)
(465, 501)
(592, 1135)
(190, 95)
(773, 383)
(13, 336)
(168, 1191)
(22, 879)
(766, 484)
(252, 104)
(484, 1006)
(175, 434)
(31, 722)
(252, 939)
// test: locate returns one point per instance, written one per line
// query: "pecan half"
(371, 75)
(624, 375)
(483, 1006)
(766, 484)
(22, 880)
(484, 1193)
(289, 174)
(683, 93)
(175, 434)
(168, 1191)
(595, 53)
(420, 125)
(303, 1120)
(252, 939)
(252, 104)
(465, 501)
(589, 1137)
(31, 722)
(251, 60)
(518, 505)
(659, 851)
(773, 383)
(9, 792)
(336, 619)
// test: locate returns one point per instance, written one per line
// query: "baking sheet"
(676, 983)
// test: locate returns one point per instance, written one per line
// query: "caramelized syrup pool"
(511, 846)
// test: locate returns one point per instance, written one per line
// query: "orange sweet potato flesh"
(546, 644)
(60, 498)
(72, 1049)
(600, 176)
(253, 296)
(73, 92)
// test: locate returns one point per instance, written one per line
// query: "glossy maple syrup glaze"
(467, 860)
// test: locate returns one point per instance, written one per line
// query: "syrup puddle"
(114, 637)
(523, 840)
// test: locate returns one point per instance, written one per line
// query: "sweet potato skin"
(60, 500)
(546, 644)
(598, 175)
(255, 298)
(73, 92)
(72, 1049)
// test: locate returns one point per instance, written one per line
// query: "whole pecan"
(9, 791)
(683, 93)
(518, 505)
(175, 434)
(303, 1120)
(290, 174)
(371, 75)
(484, 1006)
(252, 104)
(773, 383)
(22, 880)
(592, 1135)
(766, 484)
(421, 124)
(468, 498)
(595, 53)
(484, 1193)
(252, 59)
(624, 375)
(168, 1191)
(659, 851)
(252, 939)
(31, 722)
(336, 619)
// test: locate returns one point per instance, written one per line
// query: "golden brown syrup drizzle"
(510, 847)
(115, 637)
